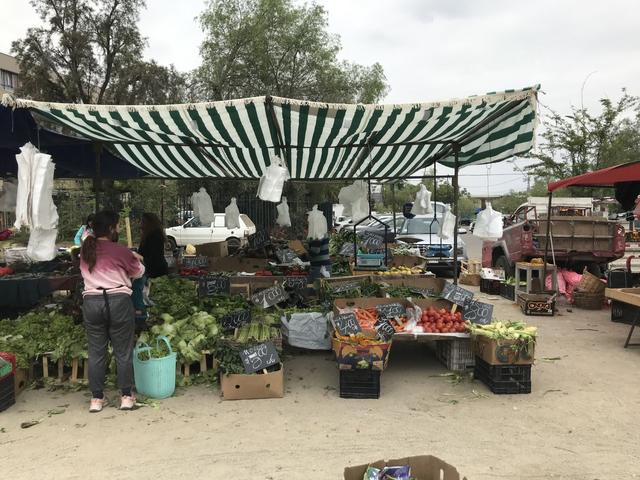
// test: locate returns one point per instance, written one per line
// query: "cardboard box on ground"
(213, 249)
(502, 352)
(254, 386)
(423, 467)
(238, 264)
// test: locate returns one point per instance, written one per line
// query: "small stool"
(530, 268)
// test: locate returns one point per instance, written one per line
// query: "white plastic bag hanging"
(232, 215)
(8, 197)
(355, 199)
(284, 220)
(42, 244)
(202, 206)
(448, 225)
(272, 182)
(422, 204)
(317, 224)
(488, 224)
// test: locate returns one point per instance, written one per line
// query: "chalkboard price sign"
(456, 294)
(270, 296)
(385, 330)
(478, 312)
(214, 285)
(259, 357)
(236, 319)
(346, 324)
(372, 241)
(391, 310)
(259, 239)
(425, 292)
(346, 287)
(286, 256)
(197, 261)
(296, 282)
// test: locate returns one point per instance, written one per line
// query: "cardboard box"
(472, 279)
(408, 261)
(21, 376)
(423, 467)
(213, 249)
(246, 387)
(502, 352)
(348, 356)
(298, 247)
(238, 264)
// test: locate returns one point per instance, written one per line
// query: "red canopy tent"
(606, 177)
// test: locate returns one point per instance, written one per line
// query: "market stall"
(206, 323)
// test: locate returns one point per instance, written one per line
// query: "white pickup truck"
(194, 233)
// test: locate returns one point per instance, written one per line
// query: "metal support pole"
(97, 180)
(546, 243)
(163, 186)
(456, 150)
(393, 208)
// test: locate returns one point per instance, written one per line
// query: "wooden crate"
(206, 363)
(79, 369)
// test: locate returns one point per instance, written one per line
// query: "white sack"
(44, 213)
(272, 182)
(284, 220)
(202, 206)
(8, 197)
(488, 224)
(307, 330)
(448, 225)
(24, 160)
(422, 203)
(42, 244)
(317, 224)
(232, 215)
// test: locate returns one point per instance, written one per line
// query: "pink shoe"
(97, 404)
(127, 402)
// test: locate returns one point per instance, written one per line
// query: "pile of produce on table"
(505, 331)
(193, 272)
(435, 320)
(337, 240)
(405, 292)
(401, 271)
(367, 318)
(362, 290)
(44, 330)
(358, 339)
(261, 329)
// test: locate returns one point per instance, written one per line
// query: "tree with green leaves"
(582, 141)
(89, 51)
(282, 48)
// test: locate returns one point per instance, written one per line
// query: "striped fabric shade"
(238, 138)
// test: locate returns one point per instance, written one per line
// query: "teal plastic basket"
(156, 377)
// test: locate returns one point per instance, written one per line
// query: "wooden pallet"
(78, 366)
(206, 363)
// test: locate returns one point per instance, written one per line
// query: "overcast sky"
(438, 49)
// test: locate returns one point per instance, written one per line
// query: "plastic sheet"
(355, 199)
(448, 225)
(202, 206)
(232, 215)
(488, 224)
(422, 203)
(272, 182)
(317, 224)
(284, 220)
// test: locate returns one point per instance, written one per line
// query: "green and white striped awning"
(238, 138)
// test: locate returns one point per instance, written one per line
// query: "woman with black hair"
(107, 269)
(84, 231)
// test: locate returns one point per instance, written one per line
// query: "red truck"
(579, 239)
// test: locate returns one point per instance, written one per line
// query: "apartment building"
(8, 74)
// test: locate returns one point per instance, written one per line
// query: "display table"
(27, 290)
(629, 296)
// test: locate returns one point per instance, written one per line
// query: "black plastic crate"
(490, 286)
(508, 291)
(7, 392)
(504, 379)
(360, 383)
(623, 312)
(619, 279)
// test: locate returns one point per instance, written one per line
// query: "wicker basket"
(588, 300)
(591, 284)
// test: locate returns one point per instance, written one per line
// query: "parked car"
(343, 222)
(374, 226)
(422, 231)
(194, 233)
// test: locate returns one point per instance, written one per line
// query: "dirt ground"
(580, 421)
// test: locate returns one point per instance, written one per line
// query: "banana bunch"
(505, 331)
